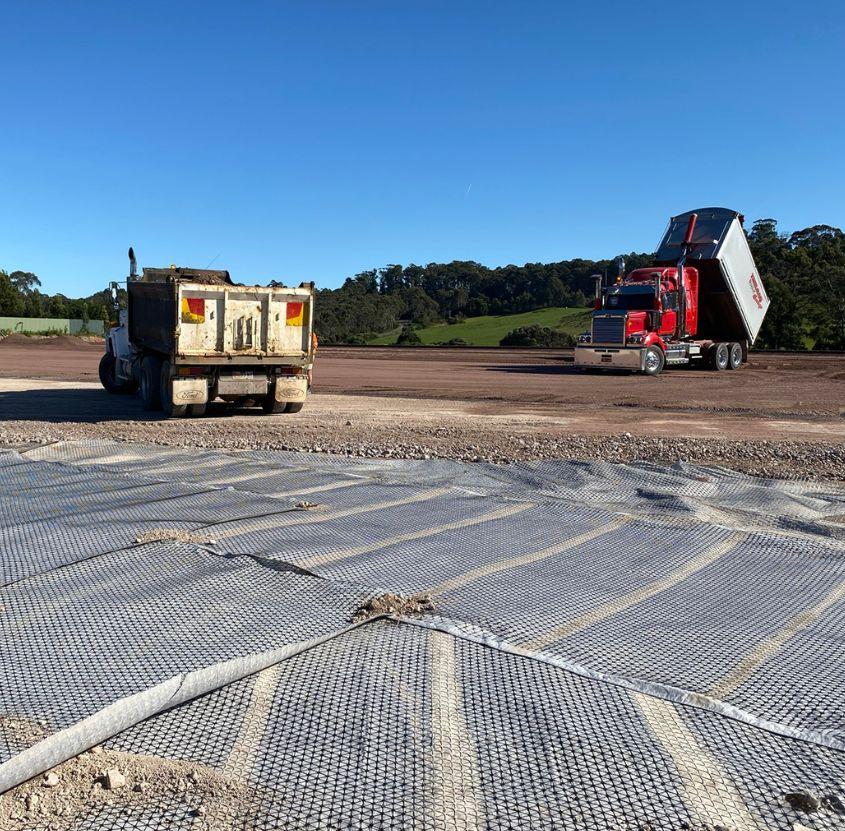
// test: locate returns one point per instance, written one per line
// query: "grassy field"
(490, 329)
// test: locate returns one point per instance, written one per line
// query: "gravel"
(99, 779)
(477, 439)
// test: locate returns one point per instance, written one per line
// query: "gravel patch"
(98, 779)
(469, 440)
(395, 604)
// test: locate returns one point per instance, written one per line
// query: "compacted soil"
(780, 415)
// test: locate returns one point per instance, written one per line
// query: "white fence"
(70, 326)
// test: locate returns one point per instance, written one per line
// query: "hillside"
(488, 330)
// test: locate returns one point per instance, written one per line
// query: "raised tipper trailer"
(190, 336)
(701, 303)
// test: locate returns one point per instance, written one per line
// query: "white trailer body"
(732, 298)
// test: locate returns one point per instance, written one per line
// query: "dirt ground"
(781, 415)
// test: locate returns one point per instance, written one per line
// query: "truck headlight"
(584, 337)
(635, 338)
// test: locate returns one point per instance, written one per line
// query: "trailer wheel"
(171, 410)
(734, 356)
(271, 406)
(151, 382)
(654, 361)
(720, 357)
(108, 376)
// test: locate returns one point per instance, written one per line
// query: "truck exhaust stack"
(682, 294)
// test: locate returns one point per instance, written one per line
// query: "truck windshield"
(629, 298)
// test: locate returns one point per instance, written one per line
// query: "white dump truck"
(701, 303)
(190, 336)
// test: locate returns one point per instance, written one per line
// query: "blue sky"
(313, 140)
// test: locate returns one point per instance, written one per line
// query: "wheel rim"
(652, 362)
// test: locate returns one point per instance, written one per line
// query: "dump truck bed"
(200, 319)
(732, 300)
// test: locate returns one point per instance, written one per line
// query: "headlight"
(584, 337)
(635, 338)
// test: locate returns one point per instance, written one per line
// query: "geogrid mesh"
(603, 579)
(78, 638)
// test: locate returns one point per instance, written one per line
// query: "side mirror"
(115, 301)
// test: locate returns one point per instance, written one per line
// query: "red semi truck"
(702, 303)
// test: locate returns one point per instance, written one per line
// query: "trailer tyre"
(171, 410)
(734, 356)
(271, 406)
(720, 357)
(151, 382)
(294, 406)
(108, 376)
(654, 361)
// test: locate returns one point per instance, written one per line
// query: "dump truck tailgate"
(243, 321)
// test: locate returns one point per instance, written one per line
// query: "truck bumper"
(609, 356)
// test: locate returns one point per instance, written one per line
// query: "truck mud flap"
(190, 391)
(291, 389)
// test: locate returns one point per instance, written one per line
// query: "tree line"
(803, 272)
(21, 296)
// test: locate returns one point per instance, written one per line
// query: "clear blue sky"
(313, 140)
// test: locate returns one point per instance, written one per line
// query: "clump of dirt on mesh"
(395, 604)
(304, 505)
(98, 779)
(21, 731)
(161, 534)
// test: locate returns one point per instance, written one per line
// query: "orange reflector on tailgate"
(294, 314)
(193, 310)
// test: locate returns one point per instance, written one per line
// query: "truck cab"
(706, 313)
(648, 297)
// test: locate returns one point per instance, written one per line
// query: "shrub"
(539, 336)
(408, 337)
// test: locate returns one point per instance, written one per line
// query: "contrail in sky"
(468, 190)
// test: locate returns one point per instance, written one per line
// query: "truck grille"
(609, 329)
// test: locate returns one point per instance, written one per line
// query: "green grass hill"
(490, 329)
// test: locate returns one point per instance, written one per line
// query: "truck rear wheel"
(171, 410)
(151, 382)
(271, 406)
(108, 376)
(653, 361)
(734, 356)
(720, 357)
